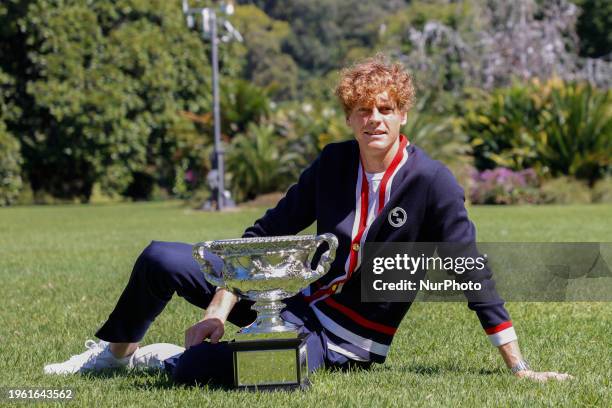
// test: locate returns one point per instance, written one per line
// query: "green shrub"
(99, 196)
(576, 135)
(198, 197)
(242, 103)
(557, 128)
(257, 163)
(565, 190)
(504, 186)
(593, 27)
(602, 191)
(501, 127)
(307, 127)
(10, 148)
(440, 137)
(10, 167)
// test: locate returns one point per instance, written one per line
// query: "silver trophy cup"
(269, 353)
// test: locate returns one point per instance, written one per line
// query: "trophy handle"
(329, 255)
(210, 274)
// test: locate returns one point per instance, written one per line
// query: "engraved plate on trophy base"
(270, 364)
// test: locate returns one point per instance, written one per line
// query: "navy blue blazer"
(326, 194)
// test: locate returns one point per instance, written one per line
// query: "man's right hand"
(212, 325)
(207, 328)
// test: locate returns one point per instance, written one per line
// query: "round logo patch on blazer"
(397, 217)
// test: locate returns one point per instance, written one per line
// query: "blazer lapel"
(397, 193)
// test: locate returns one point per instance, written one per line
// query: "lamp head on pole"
(227, 8)
(193, 15)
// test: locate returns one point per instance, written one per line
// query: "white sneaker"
(97, 357)
(152, 357)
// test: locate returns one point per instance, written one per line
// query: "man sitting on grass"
(349, 190)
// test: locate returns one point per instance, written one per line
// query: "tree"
(100, 86)
(267, 65)
(10, 155)
(324, 31)
(451, 46)
(594, 28)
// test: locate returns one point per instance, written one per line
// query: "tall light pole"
(208, 20)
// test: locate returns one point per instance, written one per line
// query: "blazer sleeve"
(451, 224)
(294, 212)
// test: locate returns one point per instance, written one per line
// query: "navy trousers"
(165, 268)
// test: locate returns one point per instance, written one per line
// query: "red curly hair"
(360, 83)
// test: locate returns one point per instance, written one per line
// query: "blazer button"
(355, 247)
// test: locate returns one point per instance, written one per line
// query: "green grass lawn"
(63, 267)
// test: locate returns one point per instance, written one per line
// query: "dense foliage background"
(112, 99)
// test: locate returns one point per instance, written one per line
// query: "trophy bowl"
(265, 270)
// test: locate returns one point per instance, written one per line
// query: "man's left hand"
(543, 376)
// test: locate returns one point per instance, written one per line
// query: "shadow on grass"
(162, 380)
(148, 380)
(138, 379)
(437, 369)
